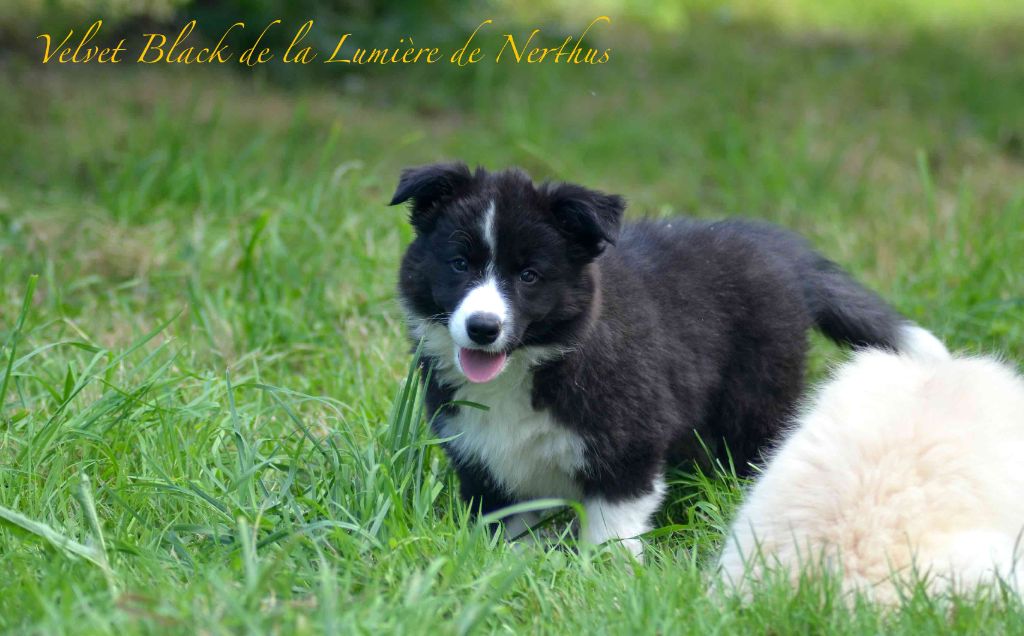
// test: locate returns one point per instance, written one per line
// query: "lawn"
(206, 421)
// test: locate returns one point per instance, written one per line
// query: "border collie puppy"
(900, 467)
(601, 352)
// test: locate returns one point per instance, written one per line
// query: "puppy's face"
(499, 264)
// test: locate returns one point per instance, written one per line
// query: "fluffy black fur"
(669, 328)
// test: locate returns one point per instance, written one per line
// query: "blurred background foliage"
(22, 20)
(641, 26)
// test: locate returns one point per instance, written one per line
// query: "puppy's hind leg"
(622, 519)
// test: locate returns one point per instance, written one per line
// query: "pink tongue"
(481, 366)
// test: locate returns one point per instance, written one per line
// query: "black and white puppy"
(606, 353)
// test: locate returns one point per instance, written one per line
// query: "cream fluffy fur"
(900, 467)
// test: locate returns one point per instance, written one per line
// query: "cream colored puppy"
(900, 466)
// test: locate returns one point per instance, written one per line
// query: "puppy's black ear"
(428, 185)
(591, 219)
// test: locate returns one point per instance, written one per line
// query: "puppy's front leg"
(519, 526)
(622, 518)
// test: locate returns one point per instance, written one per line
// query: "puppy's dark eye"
(459, 264)
(528, 276)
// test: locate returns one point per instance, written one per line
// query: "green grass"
(206, 419)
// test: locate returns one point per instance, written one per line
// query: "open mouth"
(481, 366)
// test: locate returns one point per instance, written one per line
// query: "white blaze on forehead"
(490, 236)
(486, 296)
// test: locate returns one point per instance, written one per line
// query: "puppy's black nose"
(483, 328)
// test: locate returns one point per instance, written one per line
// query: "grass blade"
(89, 507)
(64, 544)
(12, 341)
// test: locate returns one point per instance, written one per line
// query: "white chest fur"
(528, 453)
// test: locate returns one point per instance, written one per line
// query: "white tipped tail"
(921, 344)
